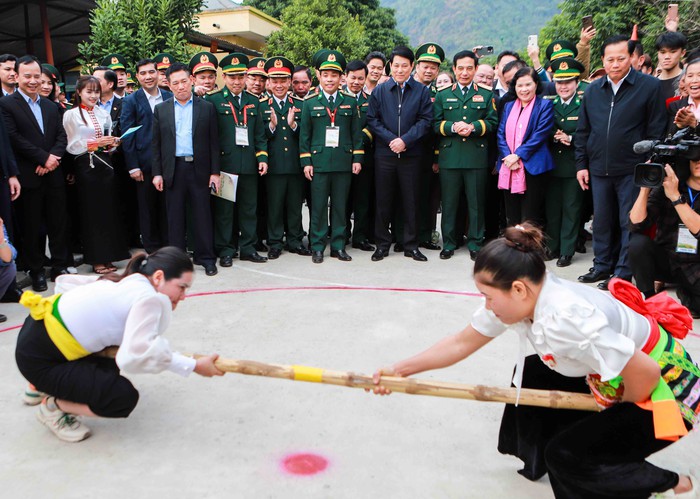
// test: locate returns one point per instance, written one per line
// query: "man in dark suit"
(38, 142)
(137, 110)
(186, 163)
(400, 115)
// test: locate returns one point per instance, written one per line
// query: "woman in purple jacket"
(524, 157)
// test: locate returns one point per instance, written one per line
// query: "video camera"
(684, 144)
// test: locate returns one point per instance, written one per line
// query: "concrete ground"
(227, 437)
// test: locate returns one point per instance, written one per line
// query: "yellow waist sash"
(41, 308)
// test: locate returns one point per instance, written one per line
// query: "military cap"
(566, 68)
(234, 63)
(130, 77)
(256, 66)
(52, 69)
(319, 54)
(561, 48)
(163, 60)
(204, 61)
(114, 62)
(331, 59)
(430, 52)
(279, 66)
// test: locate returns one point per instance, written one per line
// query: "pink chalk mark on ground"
(304, 464)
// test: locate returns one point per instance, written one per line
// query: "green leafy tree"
(612, 17)
(139, 29)
(379, 22)
(312, 24)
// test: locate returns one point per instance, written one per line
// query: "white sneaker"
(65, 426)
(32, 396)
(693, 493)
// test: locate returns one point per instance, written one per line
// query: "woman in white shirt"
(88, 129)
(57, 344)
(582, 336)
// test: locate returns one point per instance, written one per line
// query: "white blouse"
(577, 330)
(130, 314)
(79, 131)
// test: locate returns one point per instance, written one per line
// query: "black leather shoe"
(341, 255)
(274, 253)
(604, 285)
(594, 276)
(564, 261)
(226, 261)
(398, 248)
(364, 246)
(301, 250)
(38, 281)
(473, 254)
(12, 295)
(446, 254)
(550, 255)
(379, 254)
(416, 255)
(253, 257)
(260, 246)
(429, 245)
(210, 269)
(317, 256)
(3, 318)
(580, 246)
(57, 272)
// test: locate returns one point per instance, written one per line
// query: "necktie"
(238, 101)
(464, 90)
(330, 100)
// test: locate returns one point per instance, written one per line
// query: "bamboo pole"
(412, 386)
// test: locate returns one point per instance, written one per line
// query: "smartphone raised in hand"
(587, 22)
(532, 41)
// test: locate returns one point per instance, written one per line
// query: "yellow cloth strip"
(368, 133)
(359, 151)
(442, 128)
(305, 155)
(306, 373)
(41, 308)
(483, 127)
(261, 153)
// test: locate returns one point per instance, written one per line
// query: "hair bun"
(525, 237)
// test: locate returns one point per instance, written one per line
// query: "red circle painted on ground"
(304, 464)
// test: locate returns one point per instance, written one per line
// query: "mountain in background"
(464, 24)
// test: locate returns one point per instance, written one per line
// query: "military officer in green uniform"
(163, 62)
(243, 153)
(362, 189)
(465, 114)
(117, 63)
(330, 148)
(429, 56)
(564, 195)
(559, 49)
(256, 80)
(204, 66)
(285, 180)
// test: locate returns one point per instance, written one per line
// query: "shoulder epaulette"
(453, 87)
(296, 97)
(549, 97)
(215, 91)
(265, 99)
(251, 93)
(348, 93)
(445, 88)
(311, 96)
(476, 86)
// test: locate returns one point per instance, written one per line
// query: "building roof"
(211, 5)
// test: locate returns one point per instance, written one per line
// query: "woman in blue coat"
(524, 157)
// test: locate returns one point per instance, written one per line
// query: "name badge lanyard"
(235, 115)
(332, 132)
(241, 138)
(692, 198)
(332, 115)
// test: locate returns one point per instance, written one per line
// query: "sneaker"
(693, 493)
(65, 426)
(32, 396)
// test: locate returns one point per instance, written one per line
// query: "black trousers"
(44, 204)
(528, 207)
(650, 263)
(153, 219)
(92, 380)
(186, 188)
(588, 455)
(391, 174)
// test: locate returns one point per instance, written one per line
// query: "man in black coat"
(38, 142)
(400, 115)
(618, 110)
(186, 163)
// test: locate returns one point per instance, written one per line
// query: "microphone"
(644, 146)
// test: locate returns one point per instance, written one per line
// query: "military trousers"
(473, 183)
(285, 193)
(563, 207)
(336, 186)
(244, 211)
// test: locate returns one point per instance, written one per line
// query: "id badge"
(687, 243)
(242, 136)
(332, 136)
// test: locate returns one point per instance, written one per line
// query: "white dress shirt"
(78, 132)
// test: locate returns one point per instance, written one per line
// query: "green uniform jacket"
(283, 143)
(239, 159)
(478, 108)
(312, 136)
(566, 120)
(363, 105)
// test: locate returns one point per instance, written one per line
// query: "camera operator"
(672, 255)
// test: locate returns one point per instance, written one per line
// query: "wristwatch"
(680, 200)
